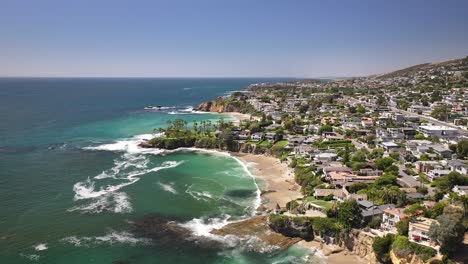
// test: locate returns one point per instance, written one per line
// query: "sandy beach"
(334, 254)
(277, 178)
(238, 117)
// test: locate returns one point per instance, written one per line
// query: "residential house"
(442, 151)
(257, 136)
(369, 209)
(460, 190)
(326, 157)
(390, 147)
(270, 136)
(273, 127)
(443, 132)
(367, 123)
(458, 166)
(391, 216)
(426, 166)
(244, 135)
(436, 173)
(295, 141)
(418, 231)
(303, 150)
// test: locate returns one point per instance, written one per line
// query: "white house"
(438, 131)
(257, 136)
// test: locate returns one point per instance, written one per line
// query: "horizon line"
(173, 77)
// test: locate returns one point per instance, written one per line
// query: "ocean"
(75, 188)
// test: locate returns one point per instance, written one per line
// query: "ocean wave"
(201, 227)
(168, 187)
(111, 238)
(117, 202)
(86, 189)
(187, 110)
(128, 169)
(204, 195)
(129, 145)
(40, 247)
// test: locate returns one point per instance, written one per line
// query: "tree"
(349, 213)
(383, 163)
(403, 226)
(355, 187)
(448, 233)
(325, 128)
(386, 179)
(446, 183)
(441, 112)
(462, 149)
(437, 209)
(403, 104)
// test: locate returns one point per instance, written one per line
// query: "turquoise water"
(75, 188)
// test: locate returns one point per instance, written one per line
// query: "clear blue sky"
(198, 38)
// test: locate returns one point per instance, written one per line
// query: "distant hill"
(456, 64)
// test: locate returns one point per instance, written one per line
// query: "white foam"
(40, 247)
(86, 189)
(168, 187)
(188, 110)
(129, 145)
(127, 170)
(199, 195)
(117, 202)
(202, 227)
(113, 237)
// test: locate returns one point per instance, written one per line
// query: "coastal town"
(384, 156)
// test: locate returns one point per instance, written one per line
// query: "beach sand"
(334, 254)
(238, 117)
(277, 178)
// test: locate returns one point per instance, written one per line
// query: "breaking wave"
(168, 187)
(126, 171)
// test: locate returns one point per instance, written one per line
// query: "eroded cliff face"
(411, 259)
(360, 244)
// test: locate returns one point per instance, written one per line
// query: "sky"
(216, 38)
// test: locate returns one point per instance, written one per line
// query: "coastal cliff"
(410, 259)
(221, 105)
(359, 243)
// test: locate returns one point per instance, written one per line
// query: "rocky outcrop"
(220, 105)
(360, 244)
(257, 228)
(300, 227)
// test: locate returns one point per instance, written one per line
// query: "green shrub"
(381, 246)
(403, 247)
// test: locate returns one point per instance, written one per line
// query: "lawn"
(324, 204)
(280, 144)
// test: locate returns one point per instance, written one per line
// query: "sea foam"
(112, 237)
